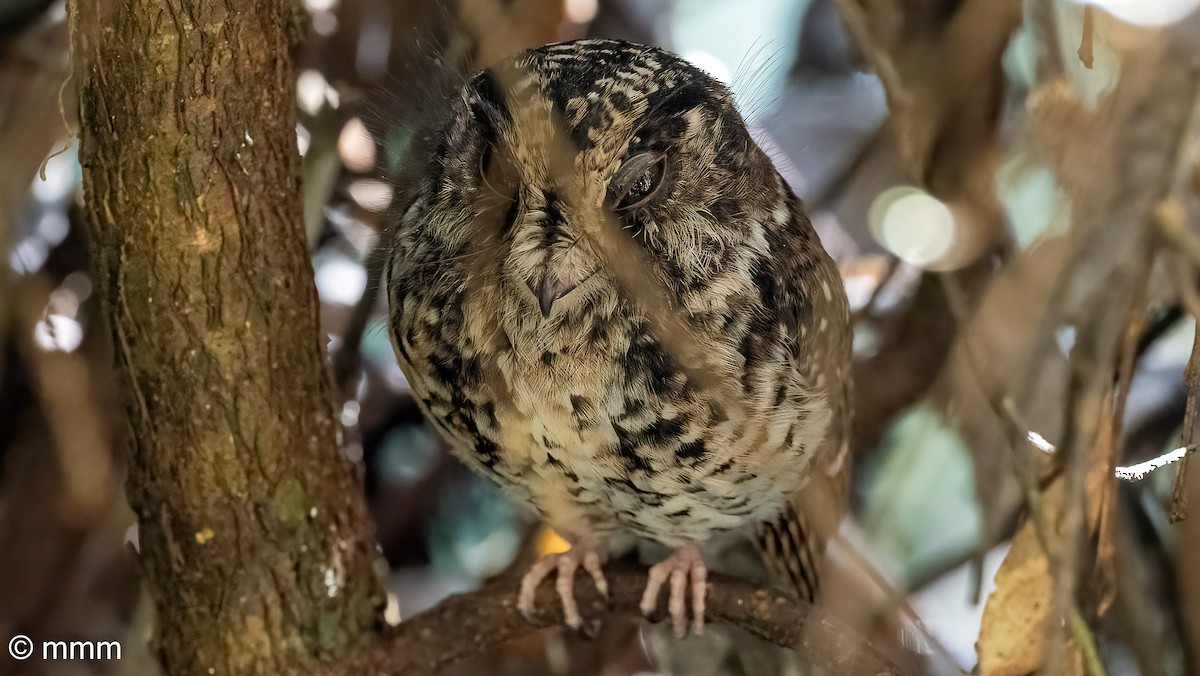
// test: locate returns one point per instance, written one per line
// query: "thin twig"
(1088, 38)
(858, 25)
(348, 359)
(1191, 379)
(1169, 221)
(1043, 24)
(895, 598)
(1143, 469)
(893, 264)
(1085, 641)
(1130, 473)
(1005, 410)
(1170, 224)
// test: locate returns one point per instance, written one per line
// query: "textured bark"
(253, 534)
(478, 622)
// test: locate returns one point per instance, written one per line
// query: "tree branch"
(1139, 471)
(1132, 472)
(253, 535)
(479, 621)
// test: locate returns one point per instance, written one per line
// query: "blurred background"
(956, 217)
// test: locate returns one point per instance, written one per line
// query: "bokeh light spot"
(914, 225)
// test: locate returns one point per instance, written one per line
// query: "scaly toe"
(685, 564)
(699, 596)
(654, 581)
(564, 565)
(565, 585)
(529, 584)
(592, 564)
(677, 602)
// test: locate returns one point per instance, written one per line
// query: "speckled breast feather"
(582, 411)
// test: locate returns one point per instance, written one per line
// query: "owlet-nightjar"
(606, 298)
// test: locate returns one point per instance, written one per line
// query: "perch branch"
(476, 622)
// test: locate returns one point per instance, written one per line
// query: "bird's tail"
(793, 544)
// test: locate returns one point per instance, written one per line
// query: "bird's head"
(564, 166)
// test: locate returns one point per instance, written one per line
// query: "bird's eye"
(501, 197)
(638, 181)
(498, 173)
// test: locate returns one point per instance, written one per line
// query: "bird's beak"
(548, 291)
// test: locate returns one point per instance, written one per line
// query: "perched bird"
(605, 298)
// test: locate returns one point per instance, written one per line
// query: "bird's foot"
(590, 556)
(686, 562)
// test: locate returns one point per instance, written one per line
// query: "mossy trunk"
(254, 537)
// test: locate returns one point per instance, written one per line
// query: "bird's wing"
(793, 543)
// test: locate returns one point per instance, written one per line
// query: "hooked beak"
(549, 291)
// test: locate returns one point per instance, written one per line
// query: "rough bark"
(478, 622)
(253, 533)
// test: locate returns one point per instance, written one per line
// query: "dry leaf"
(1013, 632)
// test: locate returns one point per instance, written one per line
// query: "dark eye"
(638, 181)
(498, 173)
(501, 198)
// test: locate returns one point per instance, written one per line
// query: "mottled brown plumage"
(607, 300)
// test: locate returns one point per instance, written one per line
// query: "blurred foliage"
(919, 506)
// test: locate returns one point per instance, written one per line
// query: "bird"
(607, 300)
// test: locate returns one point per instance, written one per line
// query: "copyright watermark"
(21, 647)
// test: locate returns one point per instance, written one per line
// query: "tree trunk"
(253, 533)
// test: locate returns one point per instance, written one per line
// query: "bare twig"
(1169, 221)
(1143, 469)
(1088, 38)
(28, 130)
(348, 359)
(893, 264)
(1095, 412)
(895, 599)
(1086, 642)
(1191, 379)
(858, 25)
(1129, 473)
(1006, 411)
(915, 343)
(1041, 22)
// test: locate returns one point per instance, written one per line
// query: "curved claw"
(686, 562)
(565, 563)
(530, 581)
